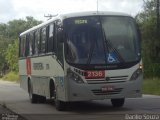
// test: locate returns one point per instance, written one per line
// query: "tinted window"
(84, 41)
(22, 46)
(58, 43)
(43, 40)
(51, 38)
(37, 42)
(31, 44)
(27, 45)
(121, 34)
(101, 40)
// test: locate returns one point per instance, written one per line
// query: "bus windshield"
(101, 40)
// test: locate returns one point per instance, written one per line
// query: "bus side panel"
(23, 75)
(40, 85)
(44, 69)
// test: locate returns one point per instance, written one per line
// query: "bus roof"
(76, 14)
(92, 13)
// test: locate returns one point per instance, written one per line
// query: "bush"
(12, 56)
(11, 76)
(152, 70)
(151, 86)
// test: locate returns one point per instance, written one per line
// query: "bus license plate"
(107, 88)
(92, 74)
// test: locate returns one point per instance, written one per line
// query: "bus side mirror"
(60, 35)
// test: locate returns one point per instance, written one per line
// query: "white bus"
(82, 57)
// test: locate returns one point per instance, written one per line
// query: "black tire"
(52, 89)
(118, 102)
(41, 99)
(60, 105)
(33, 97)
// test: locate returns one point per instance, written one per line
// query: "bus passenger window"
(43, 40)
(59, 43)
(27, 45)
(22, 46)
(37, 42)
(51, 37)
(31, 38)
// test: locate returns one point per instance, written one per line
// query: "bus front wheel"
(60, 105)
(118, 102)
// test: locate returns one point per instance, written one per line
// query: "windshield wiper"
(110, 46)
(91, 53)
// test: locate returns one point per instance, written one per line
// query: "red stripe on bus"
(28, 66)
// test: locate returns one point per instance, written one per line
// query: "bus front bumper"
(86, 92)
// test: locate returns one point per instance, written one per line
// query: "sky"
(19, 9)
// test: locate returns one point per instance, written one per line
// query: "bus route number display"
(80, 21)
(92, 74)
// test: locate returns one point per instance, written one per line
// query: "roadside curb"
(150, 96)
(7, 114)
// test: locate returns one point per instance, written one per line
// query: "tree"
(9, 34)
(11, 56)
(3, 29)
(147, 21)
(15, 27)
(3, 46)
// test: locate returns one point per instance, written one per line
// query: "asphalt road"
(16, 99)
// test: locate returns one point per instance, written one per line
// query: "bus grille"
(115, 79)
(100, 92)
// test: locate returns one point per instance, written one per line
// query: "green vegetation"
(9, 34)
(11, 57)
(151, 86)
(11, 76)
(147, 21)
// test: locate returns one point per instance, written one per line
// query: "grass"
(11, 76)
(151, 86)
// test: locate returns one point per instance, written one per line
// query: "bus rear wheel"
(41, 99)
(118, 102)
(33, 97)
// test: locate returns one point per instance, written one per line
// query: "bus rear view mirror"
(60, 35)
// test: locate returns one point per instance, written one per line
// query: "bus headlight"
(74, 76)
(136, 74)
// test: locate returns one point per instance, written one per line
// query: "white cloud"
(127, 6)
(6, 10)
(14, 9)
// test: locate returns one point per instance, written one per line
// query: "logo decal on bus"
(111, 58)
(38, 66)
